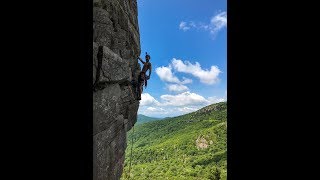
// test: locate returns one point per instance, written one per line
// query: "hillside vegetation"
(191, 146)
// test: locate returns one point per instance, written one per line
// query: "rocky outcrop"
(115, 27)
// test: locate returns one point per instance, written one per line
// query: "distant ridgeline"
(191, 146)
(143, 119)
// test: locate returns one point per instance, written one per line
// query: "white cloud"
(153, 109)
(192, 24)
(166, 75)
(183, 99)
(183, 26)
(174, 105)
(187, 109)
(186, 80)
(226, 95)
(214, 99)
(203, 26)
(217, 22)
(147, 99)
(177, 87)
(205, 76)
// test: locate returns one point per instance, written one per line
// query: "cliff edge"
(116, 32)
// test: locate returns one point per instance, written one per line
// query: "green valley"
(191, 146)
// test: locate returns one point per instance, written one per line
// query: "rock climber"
(142, 80)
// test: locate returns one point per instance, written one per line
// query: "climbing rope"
(131, 151)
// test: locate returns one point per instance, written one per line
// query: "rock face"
(115, 27)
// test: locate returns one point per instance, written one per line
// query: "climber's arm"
(141, 60)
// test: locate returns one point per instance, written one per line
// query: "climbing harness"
(131, 151)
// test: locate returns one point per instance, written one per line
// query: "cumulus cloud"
(153, 109)
(215, 99)
(217, 22)
(166, 75)
(147, 100)
(186, 80)
(226, 95)
(192, 24)
(183, 99)
(187, 109)
(205, 76)
(174, 105)
(183, 25)
(177, 87)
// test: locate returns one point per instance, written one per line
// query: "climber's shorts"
(142, 78)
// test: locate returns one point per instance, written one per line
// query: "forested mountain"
(191, 146)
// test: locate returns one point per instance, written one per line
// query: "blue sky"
(187, 41)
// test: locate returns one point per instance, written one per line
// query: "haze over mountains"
(143, 119)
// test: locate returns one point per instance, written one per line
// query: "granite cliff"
(116, 32)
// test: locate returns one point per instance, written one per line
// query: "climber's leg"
(140, 84)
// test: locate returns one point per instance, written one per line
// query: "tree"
(214, 174)
(217, 174)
